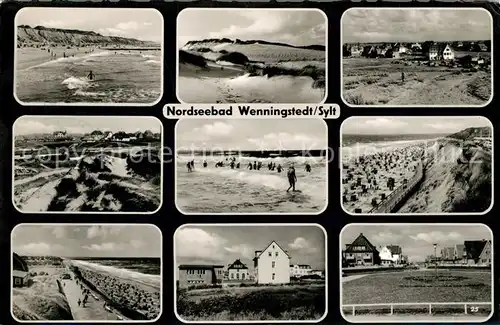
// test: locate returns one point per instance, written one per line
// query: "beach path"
(93, 310)
(40, 175)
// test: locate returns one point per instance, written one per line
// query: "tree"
(148, 134)
(96, 132)
(346, 51)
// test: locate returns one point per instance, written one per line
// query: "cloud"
(197, 243)
(104, 247)
(243, 250)
(443, 126)
(436, 237)
(216, 129)
(39, 249)
(389, 123)
(28, 126)
(130, 25)
(387, 238)
(59, 232)
(284, 140)
(124, 28)
(103, 231)
(303, 245)
(54, 23)
(137, 243)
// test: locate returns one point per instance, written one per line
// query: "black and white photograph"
(417, 57)
(86, 272)
(411, 273)
(250, 273)
(251, 166)
(87, 164)
(88, 56)
(248, 55)
(417, 165)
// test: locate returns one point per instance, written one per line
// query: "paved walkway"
(93, 310)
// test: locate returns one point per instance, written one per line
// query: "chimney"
(361, 234)
(257, 253)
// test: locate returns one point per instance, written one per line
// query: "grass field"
(419, 286)
(378, 82)
(253, 303)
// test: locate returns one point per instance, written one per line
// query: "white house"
(448, 53)
(238, 271)
(403, 49)
(272, 265)
(390, 254)
(299, 270)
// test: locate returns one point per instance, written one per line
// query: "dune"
(41, 301)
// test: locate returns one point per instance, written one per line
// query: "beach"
(372, 171)
(59, 75)
(55, 292)
(223, 189)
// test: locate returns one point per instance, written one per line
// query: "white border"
(414, 8)
(327, 159)
(430, 320)
(254, 9)
(117, 104)
(86, 225)
(76, 117)
(430, 213)
(253, 225)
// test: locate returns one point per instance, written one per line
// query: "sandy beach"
(367, 180)
(32, 57)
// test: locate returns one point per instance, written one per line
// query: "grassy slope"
(41, 301)
(279, 303)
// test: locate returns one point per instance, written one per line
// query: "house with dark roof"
(272, 265)
(20, 271)
(361, 252)
(478, 251)
(199, 274)
(448, 254)
(459, 252)
(237, 271)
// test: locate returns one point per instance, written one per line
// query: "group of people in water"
(256, 165)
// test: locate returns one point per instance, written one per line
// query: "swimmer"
(91, 75)
(292, 178)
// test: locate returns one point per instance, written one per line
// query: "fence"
(429, 305)
(397, 196)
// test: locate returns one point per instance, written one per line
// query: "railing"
(397, 196)
(427, 304)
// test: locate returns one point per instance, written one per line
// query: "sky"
(411, 125)
(84, 124)
(416, 240)
(142, 24)
(415, 25)
(297, 27)
(87, 241)
(222, 245)
(248, 134)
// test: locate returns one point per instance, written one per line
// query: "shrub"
(190, 58)
(234, 57)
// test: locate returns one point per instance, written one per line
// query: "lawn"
(418, 286)
(253, 303)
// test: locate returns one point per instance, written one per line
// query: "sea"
(120, 77)
(355, 145)
(226, 190)
(145, 270)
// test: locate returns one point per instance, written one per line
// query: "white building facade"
(299, 270)
(272, 265)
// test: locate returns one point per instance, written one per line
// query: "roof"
(19, 274)
(260, 252)
(439, 47)
(448, 251)
(460, 249)
(19, 264)
(361, 241)
(237, 265)
(199, 266)
(395, 249)
(474, 248)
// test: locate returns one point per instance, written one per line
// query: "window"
(17, 281)
(232, 275)
(243, 276)
(273, 246)
(273, 276)
(270, 254)
(273, 264)
(237, 276)
(276, 254)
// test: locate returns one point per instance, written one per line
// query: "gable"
(270, 247)
(486, 249)
(474, 248)
(361, 241)
(394, 249)
(237, 265)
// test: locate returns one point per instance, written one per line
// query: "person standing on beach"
(292, 178)
(189, 167)
(308, 168)
(402, 77)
